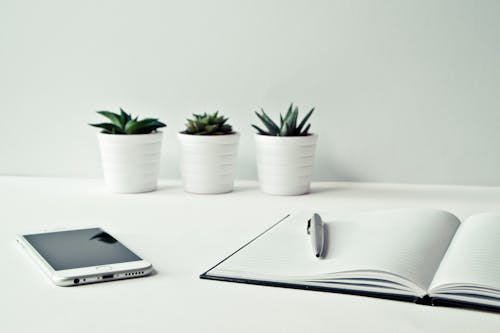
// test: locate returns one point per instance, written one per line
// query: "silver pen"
(315, 229)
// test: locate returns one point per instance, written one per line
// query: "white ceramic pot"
(207, 162)
(285, 163)
(131, 162)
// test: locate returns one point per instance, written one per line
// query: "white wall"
(405, 91)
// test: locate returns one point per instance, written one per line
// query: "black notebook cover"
(426, 300)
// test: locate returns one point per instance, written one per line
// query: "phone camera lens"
(76, 281)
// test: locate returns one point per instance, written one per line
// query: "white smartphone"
(82, 256)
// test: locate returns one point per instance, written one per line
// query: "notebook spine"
(395, 297)
(426, 300)
(436, 301)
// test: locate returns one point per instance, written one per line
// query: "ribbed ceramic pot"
(130, 163)
(285, 163)
(207, 162)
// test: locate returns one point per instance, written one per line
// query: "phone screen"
(80, 248)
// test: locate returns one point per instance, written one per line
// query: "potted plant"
(285, 153)
(130, 152)
(208, 153)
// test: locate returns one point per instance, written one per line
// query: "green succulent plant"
(124, 123)
(288, 124)
(208, 124)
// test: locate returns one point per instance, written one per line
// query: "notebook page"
(474, 254)
(406, 242)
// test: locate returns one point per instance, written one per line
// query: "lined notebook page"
(474, 254)
(406, 242)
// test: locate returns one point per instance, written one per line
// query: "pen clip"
(315, 229)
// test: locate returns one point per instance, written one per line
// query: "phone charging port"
(108, 276)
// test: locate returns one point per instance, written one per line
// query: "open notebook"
(422, 255)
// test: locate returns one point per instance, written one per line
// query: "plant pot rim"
(130, 135)
(220, 138)
(130, 138)
(208, 136)
(285, 138)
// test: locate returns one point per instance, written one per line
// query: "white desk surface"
(183, 235)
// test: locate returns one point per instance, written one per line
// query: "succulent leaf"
(123, 123)
(208, 124)
(304, 120)
(260, 130)
(289, 111)
(270, 125)
(115, 119)
(124, 117)
(109, 128)
(288, 123)
(305, 132)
